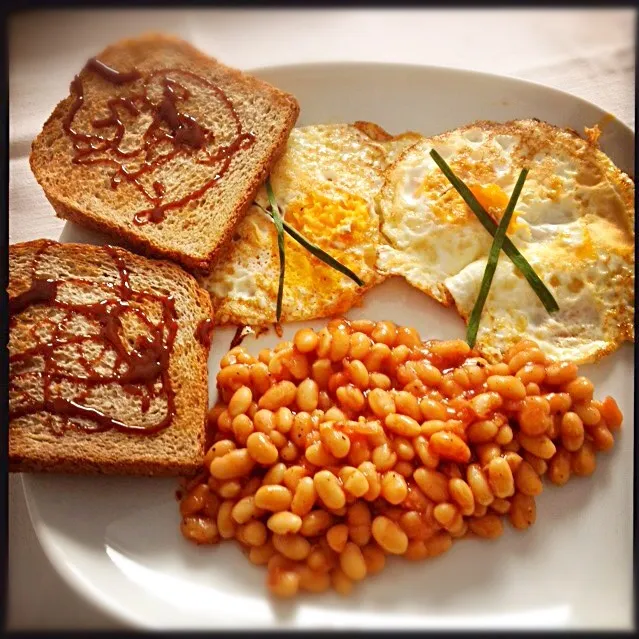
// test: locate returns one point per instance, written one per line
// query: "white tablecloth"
(589, 53)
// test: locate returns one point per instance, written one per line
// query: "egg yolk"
(317, 216)
(494, 199)
(586, 249)
(336, 226)
(490, 196)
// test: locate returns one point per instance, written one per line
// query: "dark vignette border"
(10, 7)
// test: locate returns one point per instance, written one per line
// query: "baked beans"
(358, 441)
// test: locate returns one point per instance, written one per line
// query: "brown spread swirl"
(111, 75)
(244, 330)
(141, 368)
(204, 332)
(170, 133)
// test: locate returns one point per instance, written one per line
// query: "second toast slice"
(108, 362)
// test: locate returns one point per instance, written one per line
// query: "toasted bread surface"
(169, 155)
(165, 308)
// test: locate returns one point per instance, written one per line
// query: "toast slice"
(162, 147)
(108, 362)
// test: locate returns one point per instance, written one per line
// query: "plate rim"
(81, 586)
(418, 67)
(78, 582)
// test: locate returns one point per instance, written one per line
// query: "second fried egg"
(573, 222)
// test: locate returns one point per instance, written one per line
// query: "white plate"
(117, 540)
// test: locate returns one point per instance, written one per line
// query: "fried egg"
(325, 185)
(573, 222)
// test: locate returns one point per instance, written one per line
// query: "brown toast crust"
(196, 233)
(176, 450)
(115, 467)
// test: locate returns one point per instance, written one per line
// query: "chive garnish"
(277, 220)
(493, 258)
(540, 289)
(282, 226)
(321, 254)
